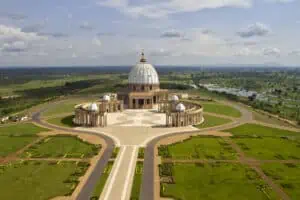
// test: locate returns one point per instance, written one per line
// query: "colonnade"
(90, 118)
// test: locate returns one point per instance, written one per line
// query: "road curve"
(147, 188)
(91, 182)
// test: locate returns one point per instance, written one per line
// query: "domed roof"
(143, 73)
(180, 107)
(175, 98)
(106, 98)
(93, 107)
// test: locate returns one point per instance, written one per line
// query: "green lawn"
(21, 129)
(221, 109)
(137, 181)
(35, 180)
(62, 146)
(210, 121)
(101, 182)
(259, 130)
(10, 145)
(213, 181)
(66, 121)
(199, 148)
(285, 175)
(269, 148)
(61, 108)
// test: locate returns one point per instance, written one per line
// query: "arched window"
(143, 88)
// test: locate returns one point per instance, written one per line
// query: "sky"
(171, 32)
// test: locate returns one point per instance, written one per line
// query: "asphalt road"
(88, 188)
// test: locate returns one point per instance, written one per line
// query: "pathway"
(121, 177)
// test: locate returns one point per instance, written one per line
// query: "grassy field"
(285, 175)
(61, 108)
(21, 129)
(101, 182)
(259, 130)
(221, 109)
(10, 145)
(210, 121)
(137, 182)
(199, 148)
(213, 181)
(39, 180)
(269, 148)
(66, 121)
(62, 146)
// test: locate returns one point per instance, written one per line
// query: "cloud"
(295, 52)
(280, 1)
(171, 34)
(161, 53)
(18, 46)
(33, 28)
(13, 16)
(156, 9)
(257, 29)
(106, 34)
(54, 34)
(86, 26)
(97, 41)
(271, 52)
(11, 34)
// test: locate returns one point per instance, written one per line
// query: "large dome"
(143, 73)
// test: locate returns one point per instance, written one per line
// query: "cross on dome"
(143, 59)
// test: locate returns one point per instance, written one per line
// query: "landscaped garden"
(260, 130)
(212, 181)
(101, 182)
(210, 121)
(199, 148)
(62, 146)
(137, 181)
(16, 137)
(269, 148)
(39, 180)
(287, 176)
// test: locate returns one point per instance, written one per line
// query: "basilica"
(142, 92)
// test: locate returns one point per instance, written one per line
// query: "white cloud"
(163, 8)
(18, 46)
(257, 29)
(171, 34)
(271, 52)
(8, 33)
(86, 26)
(97, 41)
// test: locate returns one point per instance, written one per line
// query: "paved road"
(88, 188)
(119, 182)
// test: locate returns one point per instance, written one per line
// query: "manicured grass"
(115, 152)
(285, 175)
(21, 129)
(61, 108)
(39, 180)
(62, 146)
(10, 145)
(212, 181)
(101, 182)
(210, 121)
(269, 148)
(141, 153)
(199, 148)
(259, 130)
(66, 121)
(137, 181)
(221, 109)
